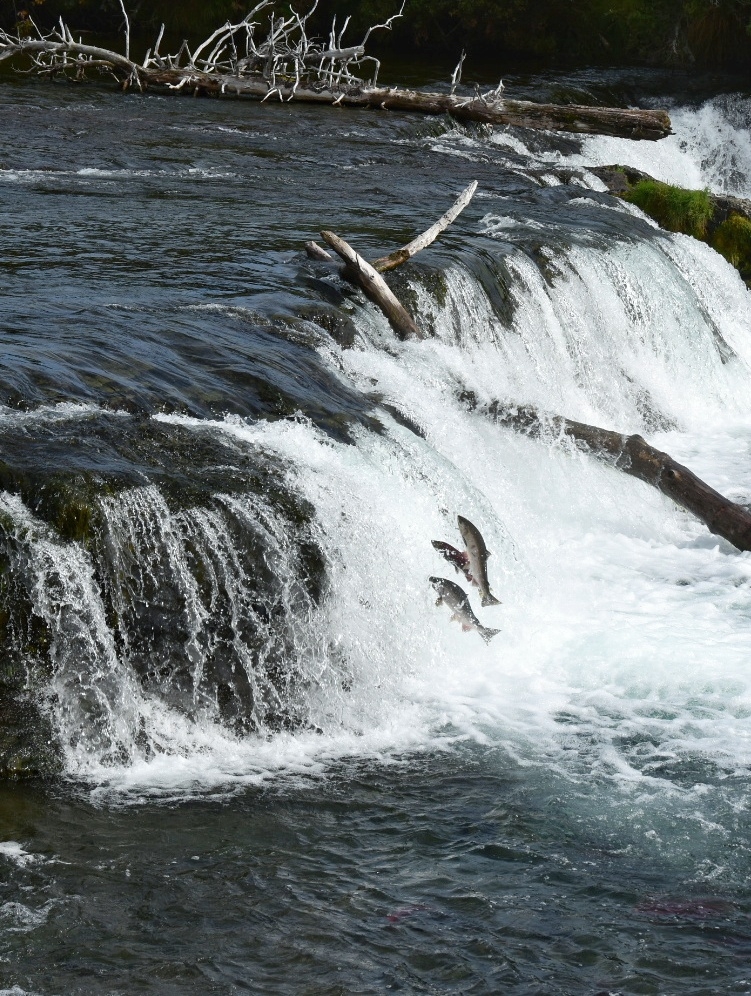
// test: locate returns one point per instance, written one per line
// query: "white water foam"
(17, 918)
(623, 657)
(12, 850)
(26, 176)
(710, 148)
(63, 411)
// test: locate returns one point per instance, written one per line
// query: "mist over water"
(241, 645)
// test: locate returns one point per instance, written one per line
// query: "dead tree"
(635, 456)
(288, 64)
(368, 277)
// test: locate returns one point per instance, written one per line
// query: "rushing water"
(283, 769)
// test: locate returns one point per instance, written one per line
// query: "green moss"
(678, 210)
(732, 239)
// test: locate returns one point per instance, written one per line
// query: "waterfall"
(269, 609)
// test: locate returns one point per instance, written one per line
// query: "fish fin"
(488, 634)
(439, 600)
(466, 628)
(490, 600)
(456, 617)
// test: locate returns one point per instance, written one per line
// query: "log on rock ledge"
(635, 456)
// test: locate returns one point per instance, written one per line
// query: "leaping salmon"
(456, 558)
(457, 600)
(477, 556)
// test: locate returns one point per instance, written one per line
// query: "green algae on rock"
(724, 222)
(674, 208)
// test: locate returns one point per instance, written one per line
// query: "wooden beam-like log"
(59, 53)
(650, 125)
(360, 272)
(635, 456)
(400, 256)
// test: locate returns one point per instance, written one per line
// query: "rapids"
(221, 475)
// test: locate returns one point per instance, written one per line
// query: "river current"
(283, 769)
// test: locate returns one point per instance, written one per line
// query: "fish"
(405, 912)
(457, 558)
(694, 909)
(458, 601)
(477, 554)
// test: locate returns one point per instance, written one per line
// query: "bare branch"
(395, 259)
(456, 76)
(127, 30)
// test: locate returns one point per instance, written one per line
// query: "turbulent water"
(282, 768)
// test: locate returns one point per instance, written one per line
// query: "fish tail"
(488, 634)
(490, 600)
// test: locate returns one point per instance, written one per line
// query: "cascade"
(236, 594)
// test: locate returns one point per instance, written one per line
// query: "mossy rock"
(674, 208)
(732, 239)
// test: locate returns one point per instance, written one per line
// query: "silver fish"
(478, 555)
(457, 600)
(457, 558)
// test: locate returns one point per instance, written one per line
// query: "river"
(282, 768)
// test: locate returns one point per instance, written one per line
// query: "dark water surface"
(151, 265)
(443, 875)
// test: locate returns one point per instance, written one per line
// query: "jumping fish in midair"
(457, 600)
(477, 556)
(455, 557)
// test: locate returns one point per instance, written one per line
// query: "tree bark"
(635, 456)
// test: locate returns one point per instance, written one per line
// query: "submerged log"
(635, 456)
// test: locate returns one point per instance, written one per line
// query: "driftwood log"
(395, 259)
(359, 271)
(635, 456)
(287, 64)
(368, 277)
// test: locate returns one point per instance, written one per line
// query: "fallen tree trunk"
(619, 122)
(635, 456)
(288, 65)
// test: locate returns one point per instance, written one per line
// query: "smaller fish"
(455, 557)
(694, 909)
(477, 554)
(405, 912)
(457, 600)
